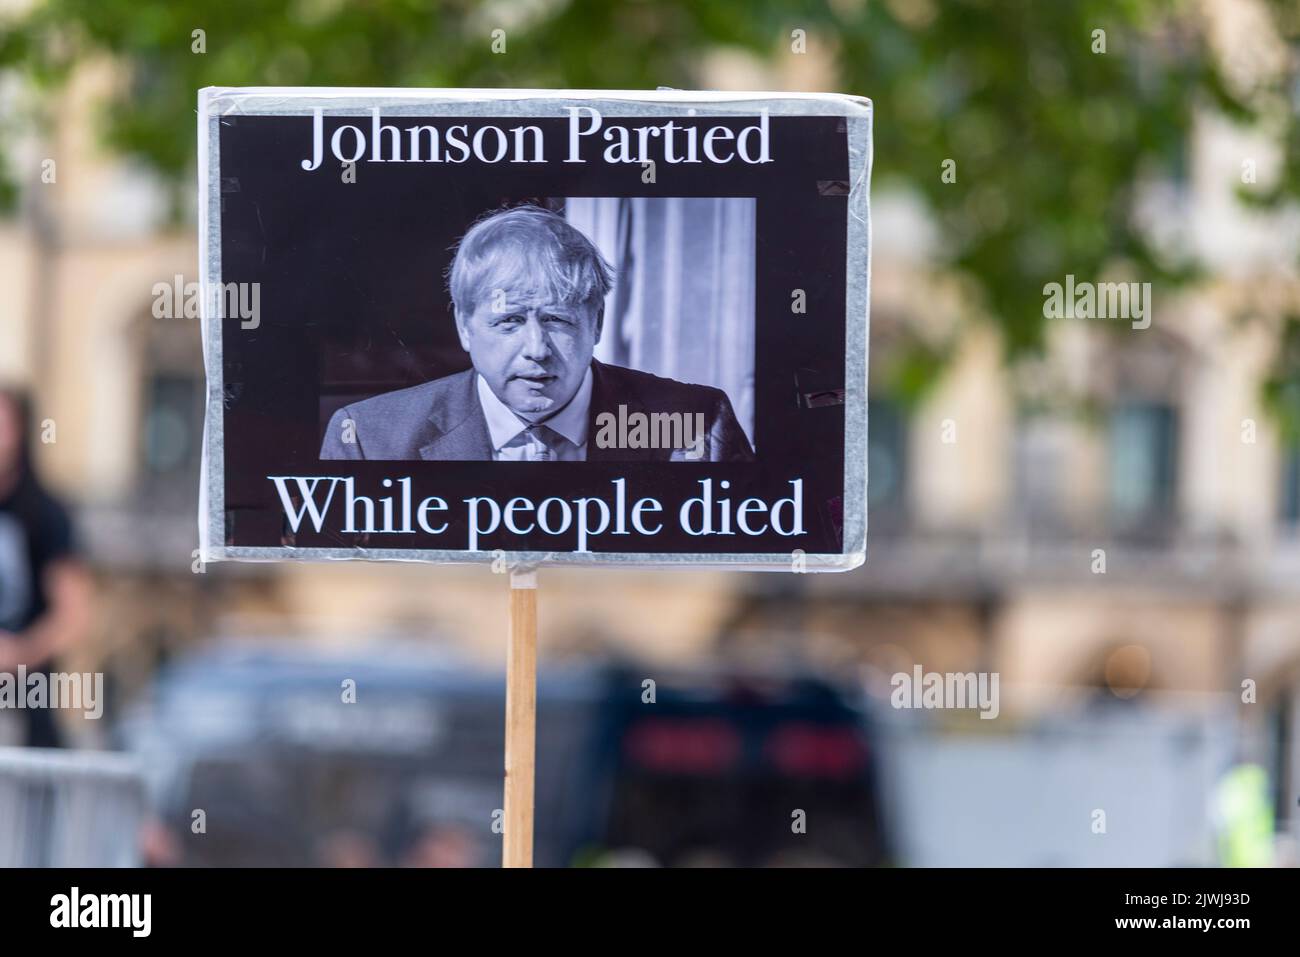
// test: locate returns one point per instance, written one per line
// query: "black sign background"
(354, 303)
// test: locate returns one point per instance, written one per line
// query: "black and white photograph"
(578, 353)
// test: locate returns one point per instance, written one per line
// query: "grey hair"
(540, 255)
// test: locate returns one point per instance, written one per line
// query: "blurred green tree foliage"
(1056, 112)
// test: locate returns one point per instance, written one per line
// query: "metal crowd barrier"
(69, 808)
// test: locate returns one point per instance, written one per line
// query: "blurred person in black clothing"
(44, 587)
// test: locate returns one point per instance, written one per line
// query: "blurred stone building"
(1119, 518)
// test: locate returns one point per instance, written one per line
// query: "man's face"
(533, 356)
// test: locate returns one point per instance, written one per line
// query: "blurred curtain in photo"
(683, 301)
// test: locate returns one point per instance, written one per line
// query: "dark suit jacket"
(443, 420)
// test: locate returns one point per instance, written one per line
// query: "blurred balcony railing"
(904, 555)
(137, 539)
(909, 560)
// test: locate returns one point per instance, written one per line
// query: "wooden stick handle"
(521, 721)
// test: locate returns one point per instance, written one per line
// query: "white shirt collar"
(503, 425)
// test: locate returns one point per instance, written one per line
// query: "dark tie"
(546, 438)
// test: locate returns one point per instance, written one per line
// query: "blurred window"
(1143, 462)
(171, 415)
(1283, 722)
(1040, 448)
(1290, 498)
(886, 460)
(169, 439)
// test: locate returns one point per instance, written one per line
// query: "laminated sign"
(536, 326)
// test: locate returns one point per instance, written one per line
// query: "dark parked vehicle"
(280, 755)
